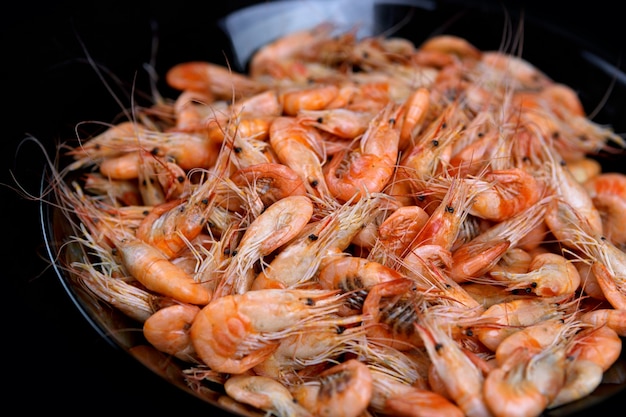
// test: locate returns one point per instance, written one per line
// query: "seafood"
(359, 226)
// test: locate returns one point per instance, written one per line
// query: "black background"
(56, 361)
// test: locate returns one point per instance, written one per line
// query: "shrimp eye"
(237, 149)
(481, 134)
(180, 178)
(438, 346)
(233, 253)
(469, 332)
(310, 302)
(226, 251)
(421, 197)
(314, 183)
(555, 135)
(450, 209)
(534, 285)
(205, 201)
(444, 125)
(435, 142)
(155, 151)
(563, 163)
(340, 329)
(320, 120)
(313, 237)
(392, 121)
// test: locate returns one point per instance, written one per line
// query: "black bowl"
(82, 62)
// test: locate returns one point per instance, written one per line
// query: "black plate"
(65, 355)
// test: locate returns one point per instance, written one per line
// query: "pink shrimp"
(272, 181)
(317, 97)
(342, 122)
(354, 174)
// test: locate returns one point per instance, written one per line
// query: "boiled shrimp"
(167, 329)
(366, 169)
(302, 98)
(278, 224)
(462, 379)
(526, 383)
(296, 146)
(343, 390)
(342, 122)
(582, 377)
(265, 394)
(229, 335)
(549, 274)
(272, 181)
(608, 193)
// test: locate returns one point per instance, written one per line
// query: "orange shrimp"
(462, 379)
(214, 78)
(154, 270)
(390, 311)
(608, 193)
(584, 169)
(601, 345)
(170, 225)
(168, 330)
(415, 110)
(316, 97)
(615, 319)
(401, 399)
(272, 181)
(549, 274)
(265, 60)
(452, 45)
(300, 351)
(582, 377)
(124, 192)
(354, 276)
(367, 169)
(513, 191)
(296, 146)
(229, 335)
(277, 225)
(318, 244)
(476, 257)
(343, 390)
(342, 122)
(398, 231)
(518, 72)
(265, 394)
(161, 180)
(511, 316)
(526, 383)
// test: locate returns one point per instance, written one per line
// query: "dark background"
(56, 361)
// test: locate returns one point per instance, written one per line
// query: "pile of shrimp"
(361, 227)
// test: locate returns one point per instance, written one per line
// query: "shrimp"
(398, 231)
(277, 225)
(403, 400)
(216, 79)
(124, 192)
(511, 316)
(453, 45)
(462, 379)
(307, 350)
(482, 253)
(520, 73)
(318, 244)
(582, 377)
(167, 329)
(161, 180)
(601, 345)
(513, 191)
(272, 181)
(415, 111)
(549, 274)
(612, 318)
(316, 97)
(343, 390)
(342, 122)
(229, 335)
(390, 311)
(264, 393)
(170, 225)
(355, 276)
(155, 271)
(526, 383)
(296, 146)
(367, 169)
(608, 193)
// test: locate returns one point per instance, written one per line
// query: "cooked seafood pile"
(361, 227)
